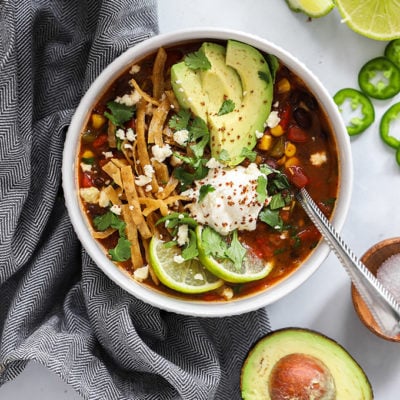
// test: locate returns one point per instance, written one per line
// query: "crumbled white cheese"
(116, 209)
(227, 293)
(86, 167)
(179, 259)
(161, 153)
(130, 135)
(318, 159)
(181, 137)
(148, 188)
(259, 134)
(108, 154)
(141, 274)
(183, 235)
(273, 119)
(234, 202)
(148, 170)
(120, 134)
(213, 163)
(90, 195)
(142, 180)
(129, 99)
(178, 81)
(128, 146)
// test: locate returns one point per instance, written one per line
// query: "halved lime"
(312, 8)
(375, 19)
(186, 277)
(253, 268)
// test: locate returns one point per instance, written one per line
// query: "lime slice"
(253, 268)
(375, 19)
(185, 277)
(312, 8)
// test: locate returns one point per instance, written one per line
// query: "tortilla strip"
(112, 141)
(172, 100)
(133, 237)
(103, 234)
(142, 93)
(132, 197)
(113, 171)
(112, 195)
(157, 123)
(169, 188)
(158, 73)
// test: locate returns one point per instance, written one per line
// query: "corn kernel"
(87, 154)
(277, 131)
(290, 149)
(290, 162)
(282, 160)
(265, 142)
(98, 121)
(283, 86)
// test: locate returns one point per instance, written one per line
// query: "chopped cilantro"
(261, 189)
(179, 120)
(273, 64)
(122, 251)
(199, 130)
(271, 218)
(277, 201)
(251, 155)
(197, 60)
(227, 106)
(190, 251)
(224, 155)
(264, 76)
(109, 220)
(204, 190)
(119, 113)
(236, 251)
(213, 243)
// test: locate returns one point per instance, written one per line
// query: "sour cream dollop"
(232, 204)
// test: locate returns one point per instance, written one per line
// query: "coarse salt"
(389, 275)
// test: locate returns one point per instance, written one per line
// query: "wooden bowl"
(373, 259)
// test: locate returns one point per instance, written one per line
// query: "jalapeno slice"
(392, 52)
(379, 78)
(391, 115)
(359, 104)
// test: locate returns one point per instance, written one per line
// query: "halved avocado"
(296, 363)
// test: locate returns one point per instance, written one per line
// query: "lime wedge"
(185, 277)
(312, 8)
(253, 268)
(375, 19)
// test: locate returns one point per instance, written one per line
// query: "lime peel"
(312, 8)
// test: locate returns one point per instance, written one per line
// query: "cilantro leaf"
(264, 76)
(213, 243)
(122, 251)
(180, 120)
(277, 201)
(191, 250)
(109, 220)
(204, 190)
(224, 155)
(197, 60)
(119, 113)
(227, 106)
(261, 189)
(199, 130)
(271, 218)
(249, 154)
(273, 65)
(236, 251)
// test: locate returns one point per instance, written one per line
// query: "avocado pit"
(301, 377)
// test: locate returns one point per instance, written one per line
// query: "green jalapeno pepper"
(358, 101)
(392, 114)
(392, 52)
(379, 78)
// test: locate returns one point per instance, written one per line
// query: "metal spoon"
(381, 303)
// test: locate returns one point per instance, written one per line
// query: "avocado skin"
(234, 75)
(350, 380)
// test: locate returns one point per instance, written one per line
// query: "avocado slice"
(238, 73)
(301, 363)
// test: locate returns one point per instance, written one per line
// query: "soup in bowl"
(181, 164)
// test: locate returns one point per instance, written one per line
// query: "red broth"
(303, 138)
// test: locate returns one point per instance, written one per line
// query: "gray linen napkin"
(57, 308)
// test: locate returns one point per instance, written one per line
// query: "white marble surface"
(335, 54)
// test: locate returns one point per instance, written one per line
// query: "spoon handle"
(381, 303)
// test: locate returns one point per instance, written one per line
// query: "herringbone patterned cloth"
(57, 307)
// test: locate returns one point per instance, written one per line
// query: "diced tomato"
(99, 141)
(310, 233)
(297, 176)
(131, 124)
(297, 135)
(86, 181)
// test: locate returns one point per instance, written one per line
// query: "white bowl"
(189, 307)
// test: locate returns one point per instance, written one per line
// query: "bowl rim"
(150, 296)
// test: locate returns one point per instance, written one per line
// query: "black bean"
(302, 117)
